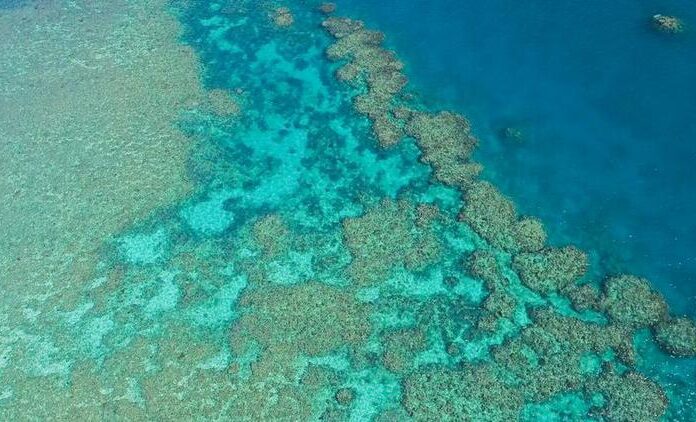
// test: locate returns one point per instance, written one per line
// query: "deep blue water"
(606, 105)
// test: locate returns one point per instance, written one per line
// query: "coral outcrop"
(631, 301)
(667, 24)
(677, 336)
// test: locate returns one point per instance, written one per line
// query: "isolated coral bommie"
(668, 24)
(327, 8)
(282, 17)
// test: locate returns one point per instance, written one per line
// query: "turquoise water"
(336, 256)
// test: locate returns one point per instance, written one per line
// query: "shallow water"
(286, 266)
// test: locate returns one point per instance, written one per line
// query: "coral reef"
(494, 218)
(426, 214)
(482, 264)
(387, 236)
(530, 234)
(668, 24)
(551, 356)
(341, 27)
(471, 393)
(221, 103)
(400, 349)
(376, 67)
(106, 102)
(446, 144)
(677, 336)
(272, 235)
(631, 397)
(584, 297)
(289, 322)
(499, 304)
(632, 301)
(551, 269)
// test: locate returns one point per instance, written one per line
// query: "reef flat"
(327, 251)
(91, 94)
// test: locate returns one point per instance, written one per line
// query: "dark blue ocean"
(606, 106)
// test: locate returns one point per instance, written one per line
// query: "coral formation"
(548, 358)
(631, 397)
(289, 322)
(668, 24)
(400, 349)
(530, 234)
(494, 218)
(345, 396)
(677, 336)
(471, 393)
(551, 269)
(272, 235)
(632, 301)
(106, 102)
(426, 214)
(341, 27)
(446, 144)
(584, 297)
(327, 8)
(282, 17)
(387, 236)
(308, 350)
(378, 69)
(499, 304)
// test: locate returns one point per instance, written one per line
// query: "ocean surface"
(604, 103)
(246, 210)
